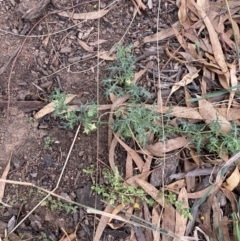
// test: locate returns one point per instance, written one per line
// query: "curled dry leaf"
(111, 153)
(233, 180)
(209, 114)
(232, 198)
(158, 149)
(85, 16)
(187, 79)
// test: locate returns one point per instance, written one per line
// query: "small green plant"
(86, 113)
(116, 192)
(179, 205)
(55, 204)
(138, 121)
(48, 141)
(30, 120)
(121, 82)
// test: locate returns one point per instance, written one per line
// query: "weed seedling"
(171, 198)
(48, 142)
(85, 114)
(121, 81)
(116, 192)
(55, 204)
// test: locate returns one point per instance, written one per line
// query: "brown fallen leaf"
(4, 177)
(132, 180)
(152, 191)
(129, 166)
(97, 42)
(181, 221)
(49, 108)
(216, 46)
(139, 74)
(45, 41)
(137, 159)
(116, 103)
(85, 16)
(117, 210)
(85, 46)
(163, 34)
(232, 198)
(106, 56)
(234, 82)
(176, 186)
(187, 79)
(156, 222)
(233, 180)
(158, 149)
(209, 114)
(192, 113)
(216, 213)
(111, 153)
(183, 13)
(102, 223)
(168, 222)
(225, 228)
(140, 4)
(208, 190)
(70, 237)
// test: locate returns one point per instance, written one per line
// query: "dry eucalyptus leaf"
(85, 46)
(181, 221)
(106, 56)
(187, 79)
(158, 149)
(2, 183)
(49, 108)
(163, 34)
(216, 46)
(209, 114)
(85, 16)
(233, 180)
(102, 223)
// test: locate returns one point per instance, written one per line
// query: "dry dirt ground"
(41, 66)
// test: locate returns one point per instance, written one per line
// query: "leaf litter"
(203, 51)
